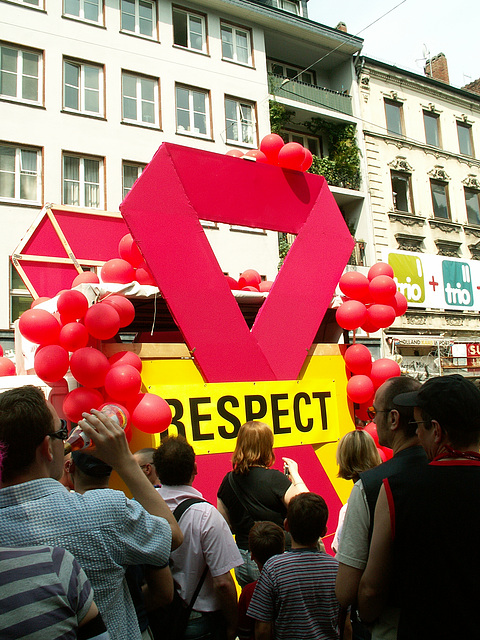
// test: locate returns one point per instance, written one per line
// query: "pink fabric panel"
(49, 278)
(45, 241)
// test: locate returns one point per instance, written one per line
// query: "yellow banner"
(305, 411)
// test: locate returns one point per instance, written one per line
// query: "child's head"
(307, 515)
(266, 539)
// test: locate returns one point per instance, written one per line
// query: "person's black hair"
(307, 515)
(174, 461)
(266, 539)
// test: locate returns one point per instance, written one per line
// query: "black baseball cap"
(91, 466)
(448, 399)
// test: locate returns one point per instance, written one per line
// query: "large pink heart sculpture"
(179, 187)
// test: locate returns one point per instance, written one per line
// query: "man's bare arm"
(226, 591)
(263, 630)
(375, 582)
(158, 590)
(346, 585)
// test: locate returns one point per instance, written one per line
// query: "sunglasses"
(62, 433)
(372, 412)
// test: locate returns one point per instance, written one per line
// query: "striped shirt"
(296, 592)
(44, 593)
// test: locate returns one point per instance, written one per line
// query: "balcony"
(310, 94)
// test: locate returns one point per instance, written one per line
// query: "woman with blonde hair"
(253, 491)
(356, 452)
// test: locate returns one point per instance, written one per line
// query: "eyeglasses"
(372, 412)
(417, 422)
(62, 433)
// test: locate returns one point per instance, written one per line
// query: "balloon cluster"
(249, 280)
(372, 302)
(7, 368)
(273, 150)
(66, 340)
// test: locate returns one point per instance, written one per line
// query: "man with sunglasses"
(425, 540)
(395, 431)
(102, 529)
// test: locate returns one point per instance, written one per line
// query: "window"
(472, 200)
(138, 16)
(393, 112)
(20, 72)
(465, 144)
(20, 299)
(314, 145)
(239, 121)
(139, 99)
(432, 132)
(189, 30)
(82, 181)
(20, 174)
(37, 4)
(236, 44)
(292, 6)
(131, 172)
(193, 115)
(402, 191)
(441, 207)
(288, 71)
(83, 9)
(82, 87)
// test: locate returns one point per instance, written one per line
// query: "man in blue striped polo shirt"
(295, 595)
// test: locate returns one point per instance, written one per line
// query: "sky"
(400, 37)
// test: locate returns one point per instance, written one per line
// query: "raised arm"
(111, 446)
(298, 485)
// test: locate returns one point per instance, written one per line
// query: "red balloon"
(51, 363)
(361, 410)
(72, 305)
(381, 315)
(7, 367)
(123, 306)
(79, 401)
(126, 357)
(249, 278)
(151, 413)
(387, 452)
(265, 285)
(123, 382)
(39, 326)
(383, 289)
(351, 314)
(144, 276)
(355, 285)
(89, 367)
(307, 163)
(232, 283)
(382, 455)
(258, 155)
(86, 276)
(129, 251)
(400, 304)
(371, 428)
(380, 269)
(73, 336)
(117, 270)
(271, 145)
(291, 156)
(358, 359)
(360, 389)
(369, 327)
(39, 301)
(384, 369)
(236, 153)
(102, 321)
(1, 350)
(250, 289)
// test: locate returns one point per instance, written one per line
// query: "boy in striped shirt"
(295, 595)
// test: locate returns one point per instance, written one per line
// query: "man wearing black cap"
(425, 541)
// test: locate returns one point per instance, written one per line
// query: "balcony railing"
(310, 94)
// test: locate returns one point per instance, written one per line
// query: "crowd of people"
(80, 560)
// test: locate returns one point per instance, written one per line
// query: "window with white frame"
(130, 173)
(394, 117)
(20, 174)
(193, 111)
(139, 99)
(240, 121)
(36, 4)
(402, 191)
(292, 6)
(20, 74)
(89, 10)
(291, 72)
(236, 44)
(313, 144)
(139, 17)
(472, 202)
(465, 143)
(189, 30)
(82, 87)
(440, 200)
(20, 298)
(83, 181)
